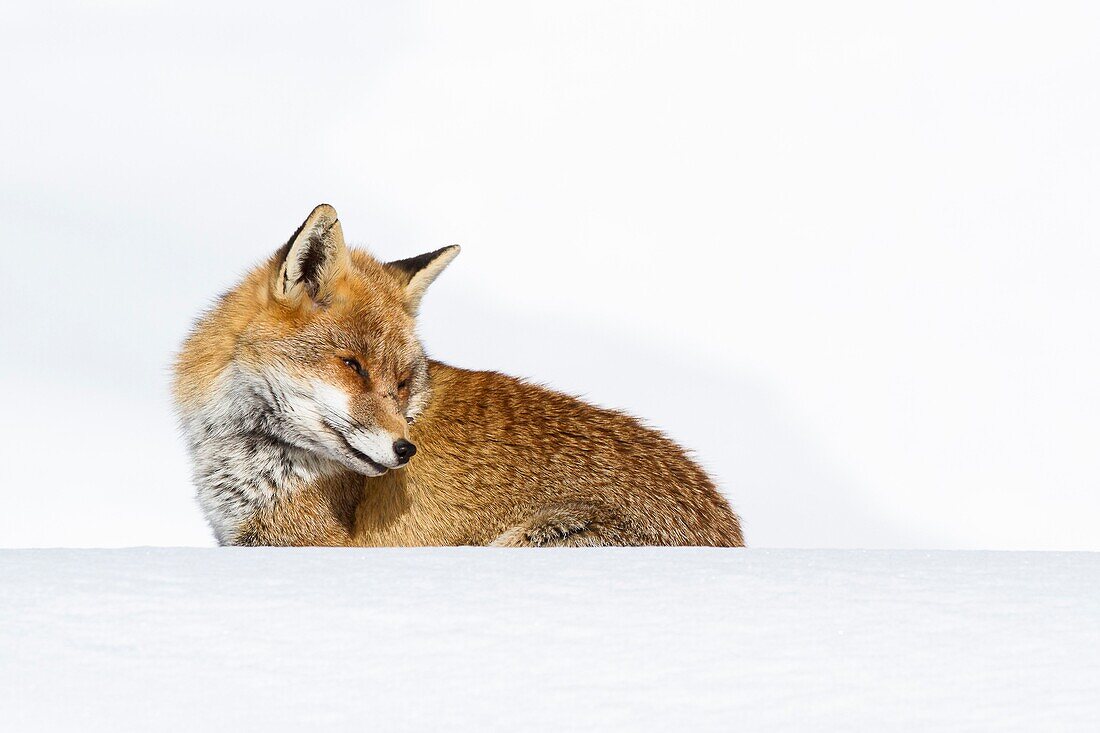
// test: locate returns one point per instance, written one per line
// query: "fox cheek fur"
(305, 387)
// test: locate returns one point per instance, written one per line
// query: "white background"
(845, 252)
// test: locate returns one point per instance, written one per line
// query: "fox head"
(319, 345)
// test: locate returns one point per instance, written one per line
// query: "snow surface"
(269, 639)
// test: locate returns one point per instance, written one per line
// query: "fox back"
(314, 417)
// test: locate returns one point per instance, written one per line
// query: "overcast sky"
(845, 252)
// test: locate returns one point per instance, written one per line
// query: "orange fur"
(498, 460)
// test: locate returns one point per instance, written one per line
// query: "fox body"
(313, 417)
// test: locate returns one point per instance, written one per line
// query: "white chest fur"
(240, 464)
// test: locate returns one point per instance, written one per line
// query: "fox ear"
(417, 273)
(313, 258)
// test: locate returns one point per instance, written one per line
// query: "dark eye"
(403, 384)
(352, 364)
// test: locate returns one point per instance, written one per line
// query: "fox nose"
(404, 450)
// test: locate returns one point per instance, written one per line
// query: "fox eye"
(352, 364)
(403, 384)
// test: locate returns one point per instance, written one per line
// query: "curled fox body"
(314, 417)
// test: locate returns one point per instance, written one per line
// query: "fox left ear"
(417, 273)
(313, 259)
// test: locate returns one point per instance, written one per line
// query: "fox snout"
(375, 452)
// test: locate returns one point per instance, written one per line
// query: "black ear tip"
(450, 252)
(412, 265)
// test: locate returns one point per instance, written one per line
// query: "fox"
(313, 417)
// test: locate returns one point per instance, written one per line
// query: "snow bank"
(209, 639)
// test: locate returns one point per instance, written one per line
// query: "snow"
(761, 640)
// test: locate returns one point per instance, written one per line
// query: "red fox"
(313, 417)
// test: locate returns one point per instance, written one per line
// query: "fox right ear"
(417, 273)
(312, 259)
